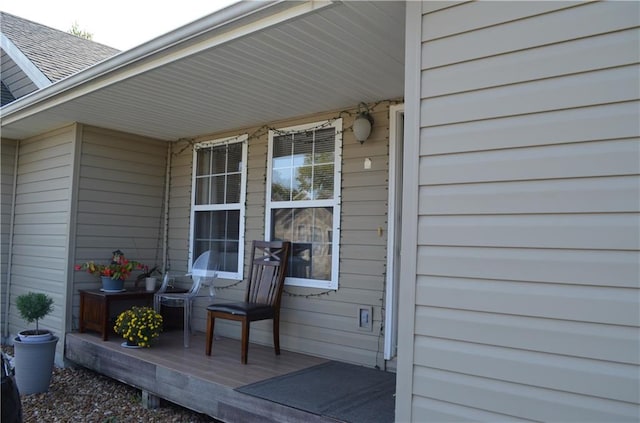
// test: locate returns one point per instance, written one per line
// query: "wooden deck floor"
(186, 376)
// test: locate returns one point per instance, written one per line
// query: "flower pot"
(34, 365)
(129, 344)
(112, 285)
(150, 284)
(33, 336)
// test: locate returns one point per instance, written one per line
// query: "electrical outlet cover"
(365, 318)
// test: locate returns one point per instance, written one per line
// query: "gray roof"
(56, 53)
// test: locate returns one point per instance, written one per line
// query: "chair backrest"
(204, 270)
(267, 272)
(166, 280)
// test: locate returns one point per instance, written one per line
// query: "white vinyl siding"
(323, 325)
(14, 78)
(528, 236)
(7, 179)
(119, 201)
(41, 229)
(81, 193)
(180, 185)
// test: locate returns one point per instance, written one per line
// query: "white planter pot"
(150, 284)
(30, 336)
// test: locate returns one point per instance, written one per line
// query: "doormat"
(342, 391)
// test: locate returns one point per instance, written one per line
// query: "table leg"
(105, 319)
(82, 317)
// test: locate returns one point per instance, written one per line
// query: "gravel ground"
(81, 395)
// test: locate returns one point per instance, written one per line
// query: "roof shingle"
(56, 53)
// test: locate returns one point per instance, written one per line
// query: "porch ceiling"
(324, 56)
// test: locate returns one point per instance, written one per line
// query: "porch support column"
(150, 401)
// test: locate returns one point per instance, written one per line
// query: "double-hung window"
(218, 201)
(303, 200)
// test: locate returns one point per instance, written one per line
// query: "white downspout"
(10, 244)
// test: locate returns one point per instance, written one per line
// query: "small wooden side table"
(95, 306)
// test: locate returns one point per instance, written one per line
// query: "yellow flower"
(140, 325)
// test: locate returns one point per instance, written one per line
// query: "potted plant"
(148, 276)
(139, 326)
(33, 307)
(34, 349)
(113, 274)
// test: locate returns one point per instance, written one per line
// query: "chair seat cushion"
(251, 310)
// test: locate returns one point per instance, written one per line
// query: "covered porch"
(212, 385)
(127, 129)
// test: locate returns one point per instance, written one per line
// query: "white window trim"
(239, 206)
(335, 202)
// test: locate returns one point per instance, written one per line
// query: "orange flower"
(120, 268)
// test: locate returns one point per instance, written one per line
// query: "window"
(218, 199)
(303, 200)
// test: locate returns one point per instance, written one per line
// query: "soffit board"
(329, 59)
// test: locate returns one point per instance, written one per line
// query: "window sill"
(311, 283)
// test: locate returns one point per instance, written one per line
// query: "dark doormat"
(345, 392)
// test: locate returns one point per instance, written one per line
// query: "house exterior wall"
(81, 192)
(326, 324)
(7, 170)
(15, 78)
(41, 227)
(524, 123)
(120, 202)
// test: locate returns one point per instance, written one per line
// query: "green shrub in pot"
(33, 307)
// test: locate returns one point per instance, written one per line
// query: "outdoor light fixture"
(363, 123)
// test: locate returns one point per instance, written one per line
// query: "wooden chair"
(262, 297)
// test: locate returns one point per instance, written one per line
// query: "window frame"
(241, 205)
(335, 202)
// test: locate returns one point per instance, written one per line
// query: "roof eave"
(219, 27)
